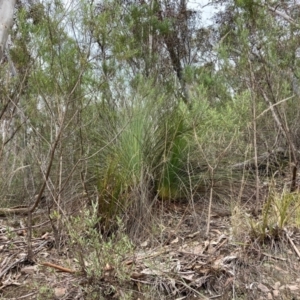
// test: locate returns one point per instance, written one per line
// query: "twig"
(16, 263)
(293, 245)
(254, 123)
(273, 105)
(274, 257)
(210, 203)
(282, 14)
(162, 251)
(5, 269)
(24, 228)
(25, 296)
(60, 268)
(29, 237)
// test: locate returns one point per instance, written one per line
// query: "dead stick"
(293, 245)
(60, 268)
(274, 257)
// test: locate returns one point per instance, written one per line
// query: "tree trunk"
(6, 22)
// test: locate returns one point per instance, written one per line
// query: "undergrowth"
(96, 255)
(279, 211)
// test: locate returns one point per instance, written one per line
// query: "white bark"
(6, 21)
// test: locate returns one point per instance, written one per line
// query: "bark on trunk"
(6, 22)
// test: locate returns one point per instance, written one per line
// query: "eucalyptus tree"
(6, 16)
(153, 39)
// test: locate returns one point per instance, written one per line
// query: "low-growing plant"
(97, 256)
(279, 211)
(44, 292)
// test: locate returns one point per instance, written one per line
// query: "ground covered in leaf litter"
(183, 263)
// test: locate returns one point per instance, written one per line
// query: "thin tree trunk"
(6, 22)
(253, 98)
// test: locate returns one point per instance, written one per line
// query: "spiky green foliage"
(173, 162)
(147, 139)
(281, 209)
(155, 144)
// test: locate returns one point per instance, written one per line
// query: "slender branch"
(257, 181)
(271, 106)
(52, 152)
(282, 14)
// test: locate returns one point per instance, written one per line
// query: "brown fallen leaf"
(280, 270)
(136, 275)
(282, 287)
(108, 267)
(263, 288)
(175, 241)
(198, 249)
(270, 297)
(193, 234)
(293, 287)
(45, 236)
(145, 244)
(277, 285)
(29, 270)
(59, 292)
(229, 281)
(188, 277)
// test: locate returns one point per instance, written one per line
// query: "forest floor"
(181, 262)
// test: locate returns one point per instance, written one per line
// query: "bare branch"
(282, 14)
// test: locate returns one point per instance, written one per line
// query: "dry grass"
(173, 258)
